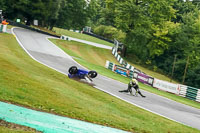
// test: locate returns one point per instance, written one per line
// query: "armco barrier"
(97, 36)
(77, 31)
(121, 70)
(198, 96)
(166, 86)
(145, 79)
(1, 28)
(131, 74)
(121, 60)
(110, 65)
(30, 28)
(118, 69)
(141, 77)
(189, 92)
(128, 66)
(183, 90)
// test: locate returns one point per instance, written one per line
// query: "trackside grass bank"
(6, 127)
(13, 130)
(25, 82)
(94, 58)
(81, 36)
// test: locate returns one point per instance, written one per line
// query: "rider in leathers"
(133, 83)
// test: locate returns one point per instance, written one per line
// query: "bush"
(110, 32)
(99, 30)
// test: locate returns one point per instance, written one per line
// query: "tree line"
(49, 13)
(161, 34)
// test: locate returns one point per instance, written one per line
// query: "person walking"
(133, 83)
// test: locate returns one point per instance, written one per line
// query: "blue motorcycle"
(74, 72)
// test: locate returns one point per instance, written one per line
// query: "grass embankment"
(13, 130)
(81, 36)
(6, 127)
(25, 82)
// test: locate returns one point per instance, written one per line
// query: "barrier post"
(4, 25)
(1, 28)
(4, 28)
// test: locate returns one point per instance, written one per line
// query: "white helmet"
(134, 81)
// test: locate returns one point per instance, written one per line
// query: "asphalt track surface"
(90, 43)
(45, 52)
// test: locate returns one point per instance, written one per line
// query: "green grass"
(97, 59)
(26, 82)
(10, 26)
(9, 130)
(6, 127)
(81, 36)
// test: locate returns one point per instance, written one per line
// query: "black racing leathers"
(135, 86)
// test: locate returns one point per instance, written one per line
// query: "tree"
(182, 8)
(2, 5)
(73, 14)
(144, 23)
(93, 10)
(160, 41)
(185, 44)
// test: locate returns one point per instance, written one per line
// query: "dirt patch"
(17, 127)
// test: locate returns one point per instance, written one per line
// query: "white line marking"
(138, 105)
(31, 55)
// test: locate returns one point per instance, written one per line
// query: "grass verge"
(6, 127)
(80, 36)
(25, 82)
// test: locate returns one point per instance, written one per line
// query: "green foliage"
(154, 35)
(182, 8)
(100, 30)
(64, 13)
(93, 12)
(73, 14)
(160, 40)
(131, 19)
(193, 76)
(185, 44)
(2, 5)
(110, 32)
(44, 11)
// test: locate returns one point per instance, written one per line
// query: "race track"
(45, 52)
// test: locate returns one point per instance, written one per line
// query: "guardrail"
(97, 36)
(31, 28)
(141, 77)
(190, 92)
